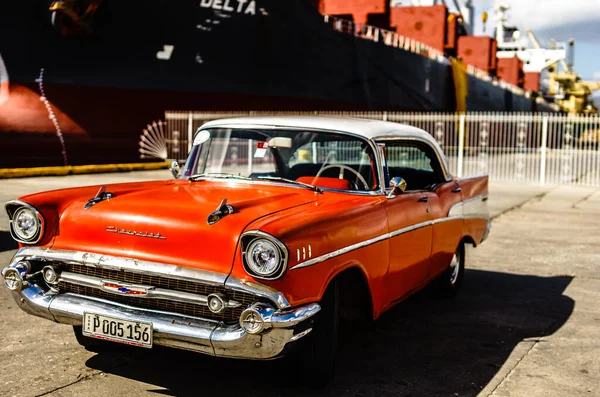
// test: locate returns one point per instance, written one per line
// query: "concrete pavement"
(553, 236)
(527, 323)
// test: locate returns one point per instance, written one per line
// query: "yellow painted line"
(80, 169)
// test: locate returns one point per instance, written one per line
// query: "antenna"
(571, 65)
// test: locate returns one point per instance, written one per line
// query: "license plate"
(134, 333)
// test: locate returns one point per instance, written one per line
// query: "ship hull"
(140, 60)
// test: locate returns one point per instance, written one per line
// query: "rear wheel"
(319, 349)
(450, 282)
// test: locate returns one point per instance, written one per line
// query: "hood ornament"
(100, 196)
(221, 212)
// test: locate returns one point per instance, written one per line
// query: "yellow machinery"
(576, 94)
(571, 93)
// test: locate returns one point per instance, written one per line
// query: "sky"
(560, 20)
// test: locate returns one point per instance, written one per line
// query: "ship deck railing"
(394, 39)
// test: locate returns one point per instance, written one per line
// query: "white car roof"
(370, 129)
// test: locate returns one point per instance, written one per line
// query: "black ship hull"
(141, 58)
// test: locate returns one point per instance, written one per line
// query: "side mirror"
(175, 170)
(398, 185)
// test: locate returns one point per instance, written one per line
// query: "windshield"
(323, 159)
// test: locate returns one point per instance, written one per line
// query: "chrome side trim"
(410, 228)
(17, 204)
(447, 219)
(362, 244)
(152, 293)
(152, 268)
(393, 234)
(341, 251)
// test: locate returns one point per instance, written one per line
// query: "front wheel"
(450, 282)
(319, 349)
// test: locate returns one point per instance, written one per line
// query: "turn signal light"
(13, 280)
(50, 275)
(216, 303)
(251, 321)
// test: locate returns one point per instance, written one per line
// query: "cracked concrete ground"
(527, 323)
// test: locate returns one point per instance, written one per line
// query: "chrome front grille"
(140, 278)
(190, 309)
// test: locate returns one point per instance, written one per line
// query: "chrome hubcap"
(455, 266)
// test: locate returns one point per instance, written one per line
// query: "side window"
(408, 157)
(415, 162)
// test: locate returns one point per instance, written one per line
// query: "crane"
(511, 43)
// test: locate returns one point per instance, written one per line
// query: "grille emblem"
(125, 289)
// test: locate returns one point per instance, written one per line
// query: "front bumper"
(204, 336)
(281, 326)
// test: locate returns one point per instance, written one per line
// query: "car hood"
(167, 223)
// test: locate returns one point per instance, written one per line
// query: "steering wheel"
(344, 167)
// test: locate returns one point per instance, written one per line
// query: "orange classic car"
(274, 230)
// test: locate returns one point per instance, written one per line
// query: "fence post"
(543, 151)
(461, 144)
(190, 131)
(250, 155)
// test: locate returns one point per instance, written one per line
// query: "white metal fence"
(518, 147)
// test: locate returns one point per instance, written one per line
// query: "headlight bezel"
(252, 236)
(12, 208)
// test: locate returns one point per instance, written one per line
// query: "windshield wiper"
(217, 175)
(278, 178)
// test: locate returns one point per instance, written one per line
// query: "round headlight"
(263, 258)
(26, 224)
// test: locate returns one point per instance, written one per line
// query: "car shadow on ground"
(7, 243)
(423, 346)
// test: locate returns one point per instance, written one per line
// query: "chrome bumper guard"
(281, 327)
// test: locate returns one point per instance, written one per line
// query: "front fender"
(337, 232)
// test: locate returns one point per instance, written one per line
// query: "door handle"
(456, 190)
(424, 199)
